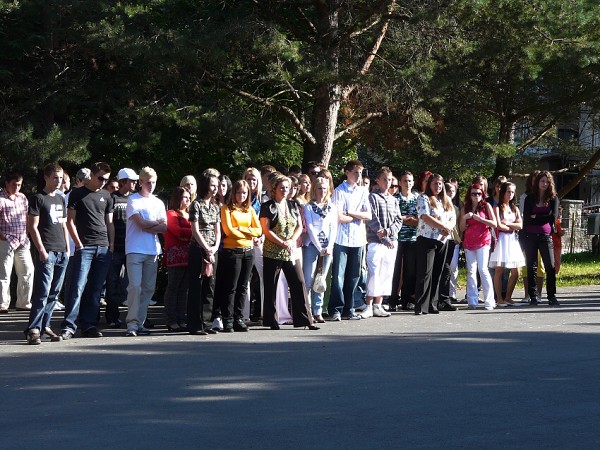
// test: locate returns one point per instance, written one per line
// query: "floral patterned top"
(206, 216)
(283, 223)
(438, 212)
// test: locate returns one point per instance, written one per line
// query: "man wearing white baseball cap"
(117, 281)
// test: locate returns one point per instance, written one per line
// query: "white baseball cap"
(127, 174)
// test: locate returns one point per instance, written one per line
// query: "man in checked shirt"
(14, 244)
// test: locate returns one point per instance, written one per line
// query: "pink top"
(477, 234)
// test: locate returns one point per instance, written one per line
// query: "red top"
(477, 234)
(177, 240)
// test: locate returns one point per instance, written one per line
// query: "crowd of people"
(260, 248)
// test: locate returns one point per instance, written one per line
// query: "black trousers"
(201, 290)
(233, 274)
(535, 242)
(444, 296)
(295, 279)
(405, 274)
(431, 255)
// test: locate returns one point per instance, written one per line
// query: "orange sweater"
(239, 227)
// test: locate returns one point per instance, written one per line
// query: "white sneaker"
(217, 324)
(337, 317)
(153, 302)
(59, 306)
(378, 311)
(525, 300)
(361, 308)
(367, 312)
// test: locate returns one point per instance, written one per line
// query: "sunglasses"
(395, 186)
(103, 180)
(476, 194)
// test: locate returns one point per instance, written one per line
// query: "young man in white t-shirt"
(146, 217)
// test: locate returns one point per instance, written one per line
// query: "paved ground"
(513, 378)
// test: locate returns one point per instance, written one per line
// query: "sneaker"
(66, 334)
(52, 335)
(91, 333)
(142, 331)
(366, 313)
(153, 302)
(352, 317)
(553, 302)
(59, 306)
(525, 300)
(131, 333)
(103, 302)
(361, 308)
(378, 311)
(488, 308)
(33, 337)
(336, 317)
(217, 324)
(239, 325)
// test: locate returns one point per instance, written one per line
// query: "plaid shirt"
(13, 219)
(385, 215)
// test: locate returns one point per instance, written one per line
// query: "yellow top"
(239, 227)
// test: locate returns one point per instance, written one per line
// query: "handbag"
(320, 281)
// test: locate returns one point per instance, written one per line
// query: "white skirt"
(507, 253)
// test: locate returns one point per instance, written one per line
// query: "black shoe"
(148, 324)
(66, 334)
(52, 335)
(447, 307)
(312, 327)
(91, 333)
(553, 302)
(116, 324)
(434, 311)
(239, 325)
(275, 327)
(533, 302)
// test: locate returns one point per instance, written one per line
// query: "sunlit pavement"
(511, 378)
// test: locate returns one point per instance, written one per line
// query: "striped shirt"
(385, 215)
(13, 219)
(408, 207)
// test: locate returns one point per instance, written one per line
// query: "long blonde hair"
(441, 197)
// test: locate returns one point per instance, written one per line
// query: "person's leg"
(149, 273)
(394, 298)
(409, 275)
(444, 296)
(135, 267)
(483, 255)
(425, 255)
(182, 292)
(441, 250)
(547, 254)
(282, 300)
(300, 309)
(114, 288)
(472, 294)
(531, 254)
(498, 274)
(60, 267)
(76, 279)
(208, 293)
(171, 293)
(245, 271)
(271, 269)
(310, 256)
(352, 276)
(194, 300)
(454, 272)
(336, 300)
(44, 272)
(228, 275)
(317, 297)
(90, 300)
(510, 287)
(24, 270)
(374, 262)
(6, 267)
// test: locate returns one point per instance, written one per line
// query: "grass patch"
(577, 269)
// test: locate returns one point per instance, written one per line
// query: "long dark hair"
(204, 187)
(177, 197)
(550, 193)
(512, 203)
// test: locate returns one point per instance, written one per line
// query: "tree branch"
(360, 122)
(535, 138)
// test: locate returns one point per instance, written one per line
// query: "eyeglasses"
(395, 186)
(476, 194)
(103, 180)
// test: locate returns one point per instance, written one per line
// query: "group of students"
(226, 243)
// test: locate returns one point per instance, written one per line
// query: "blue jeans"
(344, 278)
(310, 255)
(86, 274)
(47, 282)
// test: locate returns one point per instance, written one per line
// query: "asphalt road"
(512, 378)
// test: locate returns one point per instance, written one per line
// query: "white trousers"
(23, 264)
(477, 261)
(380, 269)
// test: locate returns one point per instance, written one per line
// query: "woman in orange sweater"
(240, 226)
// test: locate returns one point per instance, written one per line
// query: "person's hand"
(468, 215)
(43, 255)
(381, 233)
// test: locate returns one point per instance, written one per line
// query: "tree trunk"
(324, 121)
(581, 175)
(505, 136)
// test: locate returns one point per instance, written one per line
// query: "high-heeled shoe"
(319, 319)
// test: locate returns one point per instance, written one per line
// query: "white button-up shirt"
(354, 199)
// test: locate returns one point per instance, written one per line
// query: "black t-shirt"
(120, 219)
(91, 208)
(53, 214)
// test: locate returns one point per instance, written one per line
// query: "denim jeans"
(142, 270)
(477, 262)
(86, 273)
(47, 282)
(310, 255)
(233, 277)
(344, 278)
(116, 286)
